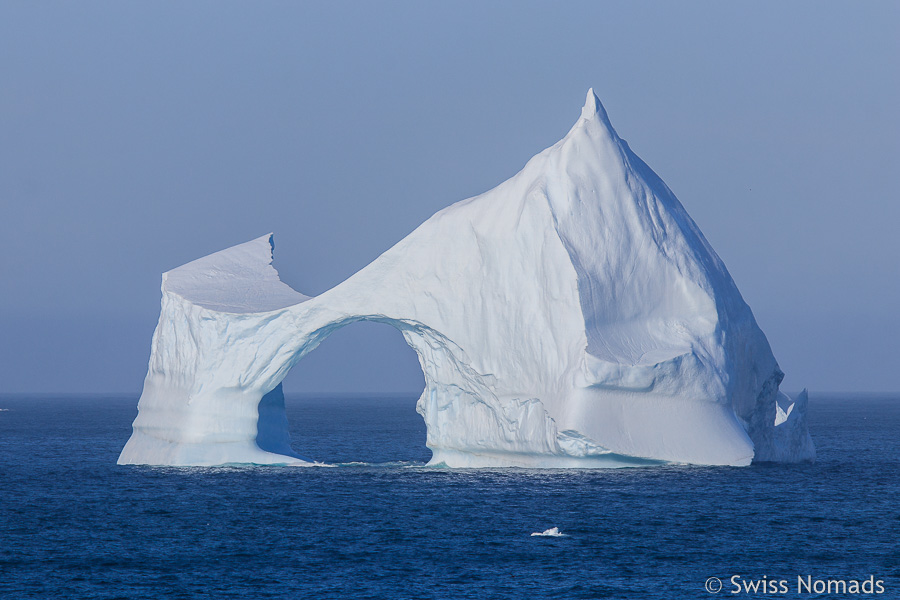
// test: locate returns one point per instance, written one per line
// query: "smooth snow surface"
(573, 316)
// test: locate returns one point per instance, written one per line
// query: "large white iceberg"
(573, 316)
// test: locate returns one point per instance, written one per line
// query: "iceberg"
(573, 316)
(552, 532)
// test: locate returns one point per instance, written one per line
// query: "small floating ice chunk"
(552, 532)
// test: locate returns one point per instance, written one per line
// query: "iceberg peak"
(593, 108)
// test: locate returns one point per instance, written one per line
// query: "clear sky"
(135, 137)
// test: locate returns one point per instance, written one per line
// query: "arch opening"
(352, 398)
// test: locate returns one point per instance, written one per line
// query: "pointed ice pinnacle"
(573, 316)
(593, 108)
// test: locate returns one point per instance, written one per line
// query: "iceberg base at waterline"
(573, 316)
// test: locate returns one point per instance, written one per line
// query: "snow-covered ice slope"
(574, 316)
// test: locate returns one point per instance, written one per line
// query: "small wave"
(552, 532)
(4, 410)
(396, 463)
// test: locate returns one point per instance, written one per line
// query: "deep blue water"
(75, 525)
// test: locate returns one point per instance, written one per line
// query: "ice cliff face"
(574, 316)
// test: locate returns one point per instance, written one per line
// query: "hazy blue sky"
(135, 137)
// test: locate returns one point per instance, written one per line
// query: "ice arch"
(573, 316)
(365, 359)
(223, 345)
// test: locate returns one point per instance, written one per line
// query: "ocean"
(73, 524)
